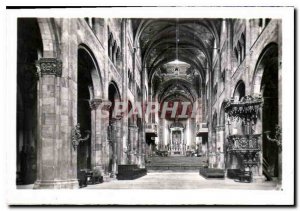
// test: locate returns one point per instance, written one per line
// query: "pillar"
(220, 151)
(132, 139)
(279, 96)
(96, 139)
(258, 171)
(142, 137)
(56, 158)
(104, 107)
(124, 142)
(115, 142)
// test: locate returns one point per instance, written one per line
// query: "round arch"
(130, 118)
(113, 85)
(239, 90)
(89, 87)
(271, 50)
(31, 47)
(186, 84)
(50, 41)
(222, 114)
(266, 83)
(94, 71)
(214, 120)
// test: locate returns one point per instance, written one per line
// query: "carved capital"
(49, 66)
(114, 120)
(220, 128)
(132, 126)
(94, 103)
(106, 105)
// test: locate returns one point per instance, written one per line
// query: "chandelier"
(176, 70)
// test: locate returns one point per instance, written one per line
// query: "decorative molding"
(243, 143)
(246, 147)
(106, 106)
(49, 66)
(246, 109)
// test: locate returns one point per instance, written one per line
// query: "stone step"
(175, 163)
(173, 168)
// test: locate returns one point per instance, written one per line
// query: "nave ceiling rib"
(162, 41)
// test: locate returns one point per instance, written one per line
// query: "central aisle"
(180, 180)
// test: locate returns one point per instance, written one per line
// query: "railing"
(246, 147)
(243, 143)
(266, 170)
(246, 109)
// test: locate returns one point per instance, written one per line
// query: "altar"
(177, 145)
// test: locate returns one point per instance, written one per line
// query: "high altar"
(177, 145)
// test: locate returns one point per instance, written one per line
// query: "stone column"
(258, 171)
(183, 142)
(279, 96)
(96, 132)
(220, 150)
(55, 154)
(142, 148)
(171, 140)
(129, 147)
(115, 141)
(124, 141)
(210, 105)
(132, 130)
(104, 107)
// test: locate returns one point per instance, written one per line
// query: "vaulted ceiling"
(176, 54)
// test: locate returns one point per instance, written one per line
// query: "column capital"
(220, 128)
(132, 126)
(106, 105)
(115, 119)
(49, 66)
(94, 103)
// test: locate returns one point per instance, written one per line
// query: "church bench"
(239, 175)
(212, 173)
(130, 172)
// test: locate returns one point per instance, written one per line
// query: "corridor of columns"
(102, 100)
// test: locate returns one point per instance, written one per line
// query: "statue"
(277, 138)
(76, 136)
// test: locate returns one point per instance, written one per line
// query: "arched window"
(239, 91)
(243, 43)
(93, 23)
(240, 52)
(109, 46)
(114, 52)
(236, 54)
(118, 54)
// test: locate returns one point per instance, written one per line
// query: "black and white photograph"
(151, 106)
